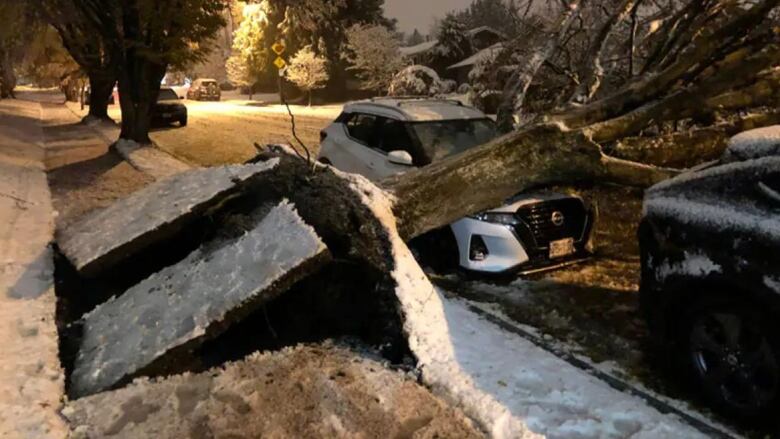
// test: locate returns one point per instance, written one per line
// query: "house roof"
(473, 32)
(419, 48)
(428, 45)
(473, 59)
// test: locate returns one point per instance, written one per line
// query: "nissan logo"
(557, 218)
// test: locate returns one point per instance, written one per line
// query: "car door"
(361, 154)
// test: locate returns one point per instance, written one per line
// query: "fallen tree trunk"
(689, 148)
(484, 177)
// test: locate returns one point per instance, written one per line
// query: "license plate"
(167, 115)
(561, 248)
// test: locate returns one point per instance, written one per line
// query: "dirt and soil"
(319, 391)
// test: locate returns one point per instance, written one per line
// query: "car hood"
(722, 199)
(526, 199)
(753, 144)
(170, 105)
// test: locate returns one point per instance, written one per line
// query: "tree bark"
(516, 88)
(101, 88)
(139, 81)
(7, 76)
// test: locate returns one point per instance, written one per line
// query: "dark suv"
(711, 275)
(168, 109)
(204, 90)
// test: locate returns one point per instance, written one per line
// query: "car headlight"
(507, 219)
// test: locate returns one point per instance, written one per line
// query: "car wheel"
(732, 353)
(183, 122)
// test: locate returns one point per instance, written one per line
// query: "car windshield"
(445, 138)
(166, 94)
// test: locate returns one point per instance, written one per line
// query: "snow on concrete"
(162, 204)
(31, 380)
(177, 305)
(150, 160)
(511, 387)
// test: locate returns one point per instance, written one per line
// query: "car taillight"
(323, 136)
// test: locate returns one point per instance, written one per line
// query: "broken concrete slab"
(121, 230)
(147, 328)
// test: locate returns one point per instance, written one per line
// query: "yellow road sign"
(278, 48)
(280, 63)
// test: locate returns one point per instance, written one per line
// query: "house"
(482, 37)
(460, 71)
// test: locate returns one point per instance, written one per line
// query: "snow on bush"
(464, 89)
(416, 81)
(448, 86)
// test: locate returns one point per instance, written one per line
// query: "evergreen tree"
(415, 38)
(454, 43)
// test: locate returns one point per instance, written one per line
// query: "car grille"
(537, 219)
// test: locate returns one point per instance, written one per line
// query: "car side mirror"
(400, 157)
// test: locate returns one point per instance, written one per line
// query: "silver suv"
(382, 137)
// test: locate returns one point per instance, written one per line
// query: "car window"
(167, 94)
(393, 136)
(362, 127)
(442, 139)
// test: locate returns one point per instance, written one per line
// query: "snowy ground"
(224, 132)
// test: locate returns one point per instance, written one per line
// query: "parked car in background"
(204, 89)
(382, 137)
(710, 290)
(169, 109)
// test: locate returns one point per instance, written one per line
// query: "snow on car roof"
(755, 143)
(416, 110)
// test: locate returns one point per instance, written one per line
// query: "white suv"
(385, 136)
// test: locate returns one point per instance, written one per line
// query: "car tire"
(183, 121)
(730, 351)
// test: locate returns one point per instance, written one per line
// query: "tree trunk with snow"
(591, 72)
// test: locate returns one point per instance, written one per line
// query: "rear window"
(166, 94)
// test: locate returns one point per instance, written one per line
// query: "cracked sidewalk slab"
(106, 237)
(156, 322)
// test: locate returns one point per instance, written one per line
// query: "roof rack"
(435, 100)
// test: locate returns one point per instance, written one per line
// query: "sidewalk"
(151, 161)
(31, 380)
